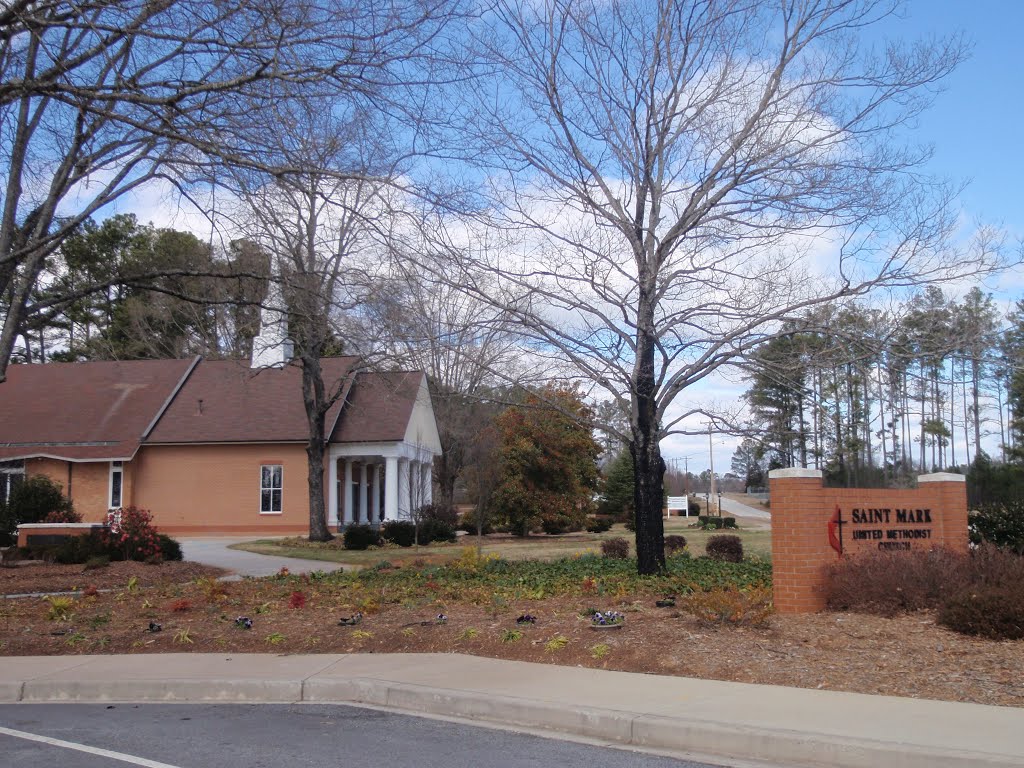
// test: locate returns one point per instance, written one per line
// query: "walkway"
(709, 720)
(214, 551)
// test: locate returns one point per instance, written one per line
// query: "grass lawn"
(756, 541)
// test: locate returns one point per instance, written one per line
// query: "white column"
(346, 492)
(427, 481)
(364, 516)
(375, 492)
(391, 489)
(332, 491)
(404, 507)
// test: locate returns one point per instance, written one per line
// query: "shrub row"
(402, 533)
(978, 593)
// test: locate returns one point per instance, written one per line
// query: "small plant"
(725, 547)
(730, 606)
(146, 605)
(297, 600)
(274, 638)
(96, 562)
(468, 633)
(409, 632)
(589, 585)
(74, 639)
(59, 607)
(607, 619)
(511, 636)
(133, 584)
(283, 573)
(362, 634)
(262, 608)
(674, 544)
(99, 620)
(617, 548)
(556, 643)
(181, 605)
(599, 651)
(183, 636)
(212, 589)
(90, 591)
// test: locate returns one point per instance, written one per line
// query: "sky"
(974, 129)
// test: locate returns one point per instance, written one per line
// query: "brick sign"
(813, 526)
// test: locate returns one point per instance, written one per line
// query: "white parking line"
(85, 748)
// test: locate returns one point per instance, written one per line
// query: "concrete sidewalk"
(730, 721)
(215, 551)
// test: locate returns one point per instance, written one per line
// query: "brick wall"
(87, 484)
(863, 519)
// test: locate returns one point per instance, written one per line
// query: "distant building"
(219, 446)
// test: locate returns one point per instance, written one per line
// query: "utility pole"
(711, 457)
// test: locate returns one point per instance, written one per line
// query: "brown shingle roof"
(83, 411)
(380, 405)
(239, 404)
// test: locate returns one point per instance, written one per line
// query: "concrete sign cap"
(794, 472)
(941, 477)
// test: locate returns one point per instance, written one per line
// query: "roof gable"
(380, 407)
(226, 401)
(84, 411)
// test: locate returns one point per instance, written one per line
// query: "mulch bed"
(903, 656)
(31, 577)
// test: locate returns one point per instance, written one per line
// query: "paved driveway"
(739, 509)
(214, 551)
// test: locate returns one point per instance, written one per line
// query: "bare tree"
(468, 348)
(98, 99)
(678, 178)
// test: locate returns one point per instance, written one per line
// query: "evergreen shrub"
(399, 532)
(725, 547)
(359, 537)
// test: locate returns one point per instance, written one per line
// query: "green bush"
(445, 514)
(400, 532)
(1001, 524)
(693, 507)
(729, 522)
(30, 502)
(435, 530)
(75, 550)
(617, 548)
(725, 547)
(170, 549)
(599, 524)
(993, 612)
(467, 523)
(711, 521)
(360, 537)
(555, 524)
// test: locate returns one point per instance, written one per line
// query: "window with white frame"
(116, 484)
(12, 474)
(271, 485)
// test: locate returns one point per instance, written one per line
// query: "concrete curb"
(684, 734)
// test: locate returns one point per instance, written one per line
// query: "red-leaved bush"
(297, 600)
(131, 535)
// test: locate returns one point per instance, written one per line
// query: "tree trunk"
(648, 465)
(313, 397)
